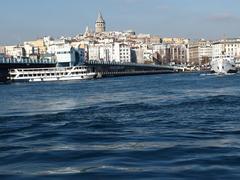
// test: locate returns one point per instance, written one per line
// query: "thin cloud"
(224, 17)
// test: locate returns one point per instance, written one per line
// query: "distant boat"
(223, 64)
(51, 74)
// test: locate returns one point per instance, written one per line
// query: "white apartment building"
(228, 47)
(122, 53)
(113, 52)
(101, 52)
(66, 55)
(54, 45)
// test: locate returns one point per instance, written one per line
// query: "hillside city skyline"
(28, 20)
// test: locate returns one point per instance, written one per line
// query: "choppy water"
(175, 126)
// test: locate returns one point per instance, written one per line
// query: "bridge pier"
(3, 75)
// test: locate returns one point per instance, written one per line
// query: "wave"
(117, 107)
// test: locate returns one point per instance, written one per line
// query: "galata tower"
(100, 25)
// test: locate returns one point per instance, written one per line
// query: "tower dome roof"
(100, 18)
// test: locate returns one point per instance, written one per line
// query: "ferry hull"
(44, 79)
(223, 66)
(88, 76)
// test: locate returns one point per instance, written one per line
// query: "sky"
(22, 20)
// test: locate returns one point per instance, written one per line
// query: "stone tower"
(100, 24)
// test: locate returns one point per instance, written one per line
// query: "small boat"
(223, 64)
(51, 74)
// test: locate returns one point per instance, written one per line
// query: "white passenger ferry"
(51, 74)
(223, 64)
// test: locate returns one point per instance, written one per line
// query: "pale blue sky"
(28, 19)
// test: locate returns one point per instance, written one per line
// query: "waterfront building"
(9, 50)
(200, 53)
(161, 53)
(137, 55)
(38, 46)
(148, 56)
(143, 55)
(228, 47)
(31, 50)
(15, 51)
(2, 50)
(100, 25)
(54, 45)
(66, 55)
(179, 53)
(122, 53)
(48, 41)
(111, 52)
(101, 52)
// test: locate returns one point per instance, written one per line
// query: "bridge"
(102, 68)
(105, 69)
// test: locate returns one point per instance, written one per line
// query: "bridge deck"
(104, 63)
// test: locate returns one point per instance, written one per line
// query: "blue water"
(173, 126)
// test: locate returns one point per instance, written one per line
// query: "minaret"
(100, 24)
(87, 32)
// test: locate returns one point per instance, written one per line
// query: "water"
(174, 126)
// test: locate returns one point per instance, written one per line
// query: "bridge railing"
(25, 61)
